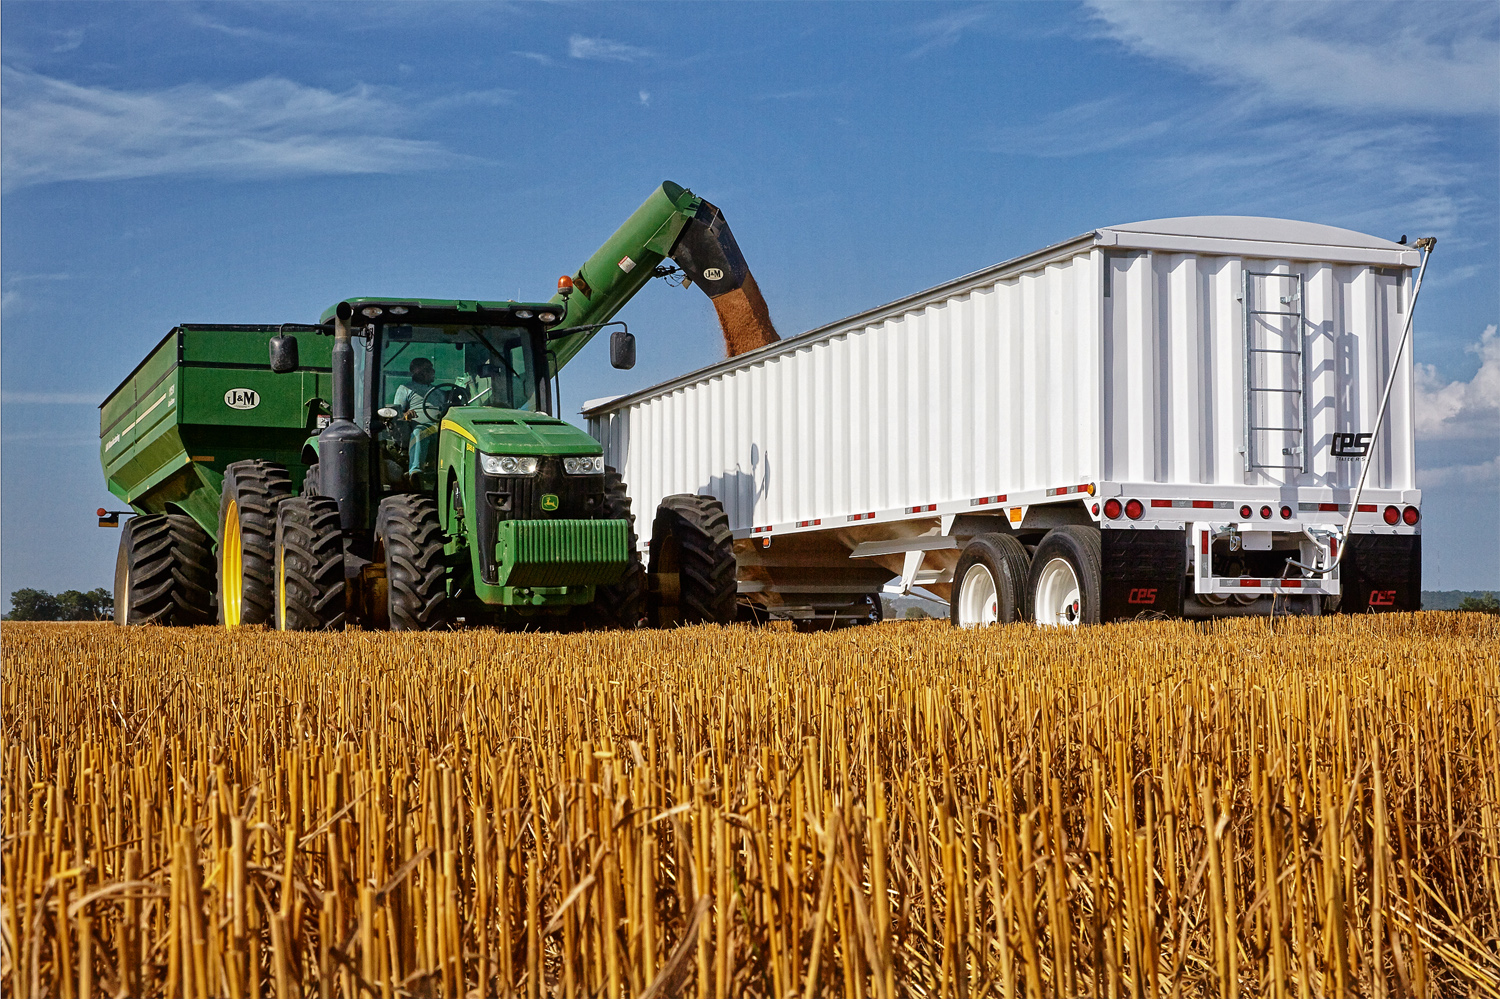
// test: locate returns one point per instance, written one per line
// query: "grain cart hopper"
(1172, 417)
(400, 463)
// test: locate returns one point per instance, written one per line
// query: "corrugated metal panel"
(1088, 361)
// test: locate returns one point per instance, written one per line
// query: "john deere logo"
(241, 398)
(549, 502)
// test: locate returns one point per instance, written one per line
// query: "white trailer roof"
(1233, 235)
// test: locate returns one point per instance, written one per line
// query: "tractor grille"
(519, 497)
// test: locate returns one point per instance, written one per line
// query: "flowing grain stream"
(1304, 808)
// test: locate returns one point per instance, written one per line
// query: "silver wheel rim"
(1059, 598)
(978, 602)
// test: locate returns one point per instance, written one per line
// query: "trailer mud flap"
(1144, 573)
(1382, 572)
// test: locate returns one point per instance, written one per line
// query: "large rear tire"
(622, 604)
(247, 540)
(1065, 583)
(164, 573)
(409, 540)
(692, 560)
(309, 565)
(990, 583)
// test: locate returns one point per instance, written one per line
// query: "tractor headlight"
(584, 466)
(507, 464)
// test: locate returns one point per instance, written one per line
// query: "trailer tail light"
(1133, 509)
(1112, 509)
(1245, 513)
(1286, 513)
(1265, 513)
(1410, 516)
(1392, 516)
(1096, 509)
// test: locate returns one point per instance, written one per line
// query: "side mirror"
(622, 350)
(284, 354)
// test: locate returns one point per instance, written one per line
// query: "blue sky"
(181, 162)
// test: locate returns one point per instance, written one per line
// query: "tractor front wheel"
(409, 542)
(693, 573)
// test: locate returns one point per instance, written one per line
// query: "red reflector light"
(1410, 516)
(1365, 508)
(1165, 503)
(1392, 516)
(1245, 583)
(1265, 513)
(1328, 507)
(103, 511)
(1133, 509)
(1333, 547)
(1203, 504)
(1292, 584)
(1111, 508)
(1203, 542)
(1244, 513)
(1286, 513)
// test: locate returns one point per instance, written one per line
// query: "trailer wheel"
(247, 540)
(1065, 579)
(309, 565)
(164, 573)
(990, 583)
(692, 562)
(623, 604)
(409, 541)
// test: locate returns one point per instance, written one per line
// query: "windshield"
(426, 369)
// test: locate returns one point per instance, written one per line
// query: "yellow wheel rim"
(232, 568)
(280, 588)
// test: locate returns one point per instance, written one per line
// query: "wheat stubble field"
(1157, 809)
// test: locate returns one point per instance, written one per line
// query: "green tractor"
(415, 472)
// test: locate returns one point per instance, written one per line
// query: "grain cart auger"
(402, 465)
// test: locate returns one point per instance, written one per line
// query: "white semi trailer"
(1163, 418)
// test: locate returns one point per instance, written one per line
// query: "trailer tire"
(409, 540)
(309, 565)
(622, 604)
(691, 545)
(164, 573)
(252, 491)
(1066, 579)
(991, 583)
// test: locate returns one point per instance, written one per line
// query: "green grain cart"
(401, 463)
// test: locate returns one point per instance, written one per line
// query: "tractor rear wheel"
(247, 540)
(309, 565)
(164, 573)
(622, 604)
(692, 562)
(409, 541)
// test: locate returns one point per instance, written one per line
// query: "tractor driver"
(415, 404)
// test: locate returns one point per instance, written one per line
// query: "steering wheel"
(452, 395)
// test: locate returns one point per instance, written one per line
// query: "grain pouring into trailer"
(1170, 417)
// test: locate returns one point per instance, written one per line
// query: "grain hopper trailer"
(1171, 417)
(399, 463)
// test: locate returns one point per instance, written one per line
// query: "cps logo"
(1382, 598)
(1351, 445)
(1142, 595)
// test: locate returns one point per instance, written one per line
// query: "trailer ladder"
(1283, 337)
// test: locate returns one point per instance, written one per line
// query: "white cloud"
(1430, 57)
(56, 131)
(945, 32)
(1483, 473)
(536, 57)
(604, 49)
(1090, 127)
(645, 98)
(1461, 410)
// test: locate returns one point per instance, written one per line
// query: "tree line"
(69, 605)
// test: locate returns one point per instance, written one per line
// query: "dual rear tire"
(1058, 586)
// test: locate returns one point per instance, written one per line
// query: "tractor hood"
(512, 431)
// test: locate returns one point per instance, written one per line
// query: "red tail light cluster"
(1112, 508)
(1134, 509)
(1286, 513)
(1410, 516)
(1392, 516)
(1244, 513)
(1265, 513)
